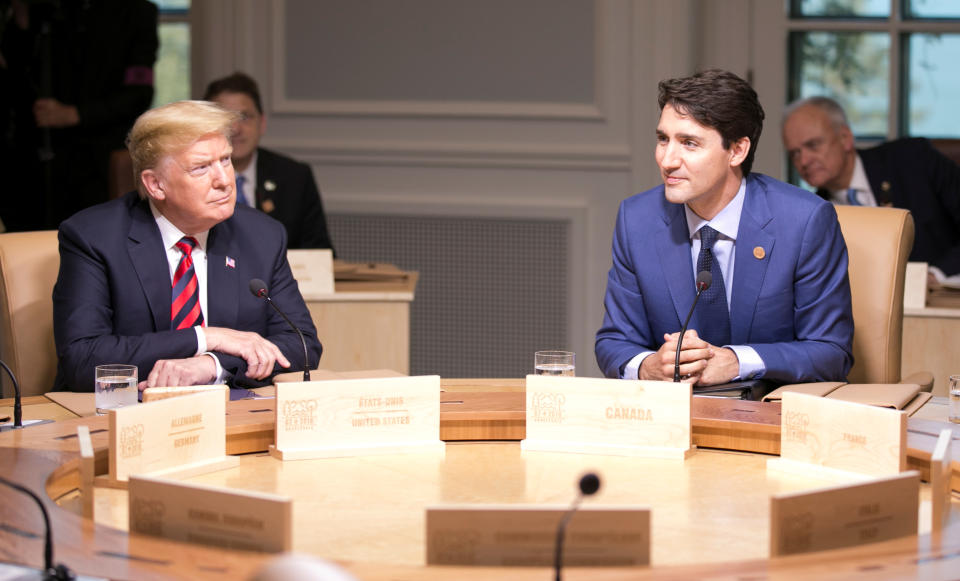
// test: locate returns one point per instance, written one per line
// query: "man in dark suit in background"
(274, 183)
(160, 277)
(73, 78)
(906, 173)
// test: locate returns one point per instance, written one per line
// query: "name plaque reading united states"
(177, 437)
(355, 417)
(840, 437)
(608, 416)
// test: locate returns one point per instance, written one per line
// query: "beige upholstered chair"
(29, 262)
(879, 241)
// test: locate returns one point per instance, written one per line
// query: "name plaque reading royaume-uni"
(525, 536)
(232, 519)
(840, 437)
(175, 437)
(608, 416)
(845, 516)
(355, 417)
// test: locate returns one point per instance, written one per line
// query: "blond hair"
(172, 128)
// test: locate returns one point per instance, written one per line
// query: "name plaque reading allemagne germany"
(608, 416)
(193, 513)
(178, 436)
(352, 417)
(833, 435)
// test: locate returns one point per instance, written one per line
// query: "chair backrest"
(879, 241)
(29, 262)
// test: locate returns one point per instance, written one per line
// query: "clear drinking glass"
(554, 363)
(116, 386)
(955, 399)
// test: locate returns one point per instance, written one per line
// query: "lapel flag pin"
(759, 252)
(231, 263)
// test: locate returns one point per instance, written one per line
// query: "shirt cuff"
(202, 342)
(222, 376)
(632, 369)
(751, 366)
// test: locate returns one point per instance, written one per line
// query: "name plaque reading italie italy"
(845, 516)
(525, 536)
(192, 513)
(834, 437)
(177, 437)
(355, 417)
(608, 416)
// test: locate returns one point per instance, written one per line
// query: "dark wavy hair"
(720, 100)
(236, 83)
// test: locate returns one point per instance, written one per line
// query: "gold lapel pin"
(759, 252)
(268, 206)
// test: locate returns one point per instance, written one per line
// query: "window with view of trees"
(890, 63)
(172, 70)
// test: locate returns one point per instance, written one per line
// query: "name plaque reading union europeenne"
(176, 437)
(840, 437)
(192, 513)
(355, 417)
(608, 416)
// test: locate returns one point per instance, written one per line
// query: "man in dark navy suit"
(906, 173)
(276, 184)
(160, 278)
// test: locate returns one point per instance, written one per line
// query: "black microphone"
(704, 278)
(51, 572)
(259, 290)
(17, 402)
(589, 484)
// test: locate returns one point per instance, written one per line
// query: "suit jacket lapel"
(223, 284)
(149, 259)
(753, 249)
(674, 252)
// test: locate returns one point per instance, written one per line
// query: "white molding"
(596, 111)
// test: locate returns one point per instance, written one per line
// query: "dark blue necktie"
(241, 199)
(852, 197)
(713, 314)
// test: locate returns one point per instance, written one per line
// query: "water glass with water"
(116, 386)
(554, 363)
(955, 399)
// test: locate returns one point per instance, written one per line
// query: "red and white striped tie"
(185, 308)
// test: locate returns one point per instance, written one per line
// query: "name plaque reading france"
(833, 435)
(608, 416)
(525, 536)
(171, 437)
(354, 417)
(192, 513)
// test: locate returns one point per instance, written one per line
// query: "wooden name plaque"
(608, 416)
(833, 436)
(232, 519)
(525, 536)
(175, 437)
(940, 494)
(845, 516)
(313, 270)
(355, 417)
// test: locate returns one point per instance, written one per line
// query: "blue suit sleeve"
(625, 331)
(822, 349)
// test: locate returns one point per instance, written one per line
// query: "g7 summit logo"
(547, 408)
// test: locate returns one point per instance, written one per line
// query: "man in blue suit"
(160, 277)
(779, 302)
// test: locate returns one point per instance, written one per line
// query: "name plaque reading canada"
(608, 416)
(353, 417)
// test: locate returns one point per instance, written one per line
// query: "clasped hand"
(260, 355)
(700, 362)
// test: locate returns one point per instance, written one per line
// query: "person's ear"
(152, 184)
(739, 150)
